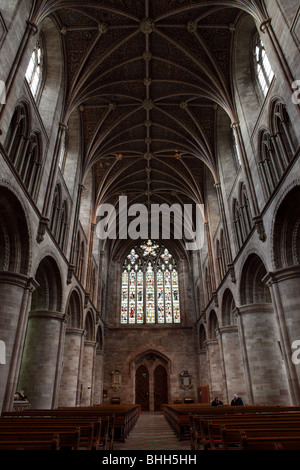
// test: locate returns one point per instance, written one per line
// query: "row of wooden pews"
(68, 428)
(251, 427)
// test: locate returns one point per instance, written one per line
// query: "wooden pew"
(29, 445)
(231, 438)
(269, 442)
(225, 434)
(66, 439)
(290, 444)
(122, 418)
(74, 434)
(178, 416)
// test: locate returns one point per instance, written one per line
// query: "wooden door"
(160, 387)
(142, 388)
(203, 394)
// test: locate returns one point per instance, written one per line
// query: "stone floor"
(152, 432)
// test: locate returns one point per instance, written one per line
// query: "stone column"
(233, 368)
(203, 368)
(41, 363)
(15, 292)
(69, 383)
(98, 387)
(215, 368)
(284, 288)
(87, 376)
(264, 366)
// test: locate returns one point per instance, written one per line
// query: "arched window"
(284, 134)
(29, 166)
(59, 217)
(237, 223)
(62, 154)
(213, 325)
(236, 150)
(221, 256)
(34, 72)
(17, 133)
(81, 261)
(246, 212)
(24, 149)
(208, 283)
(270, 167)
(242, 217)
(150, 288)
(263, 70)
(61, 235)
(93, 284)
(54, 218)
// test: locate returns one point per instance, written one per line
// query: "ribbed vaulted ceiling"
(148, 77)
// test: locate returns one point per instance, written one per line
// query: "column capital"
(283, 274)
(32, 27)
(20, 280)
(265, 25)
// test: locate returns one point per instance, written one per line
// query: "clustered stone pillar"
(263, 362)
(215, 368)
(203, 368)
(41, 363)
(284, 286)
(69, 383)
(87, 378)
(15, 292)
(98, 390)
(233, 370)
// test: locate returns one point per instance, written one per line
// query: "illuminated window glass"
(264, 72)
(150, 290)
(35, 69)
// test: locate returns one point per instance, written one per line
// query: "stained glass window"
(150, 290)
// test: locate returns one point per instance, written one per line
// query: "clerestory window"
(150, 288)
(34, 71)
(263, 69)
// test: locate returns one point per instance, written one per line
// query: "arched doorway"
(142, 387)
(160, 387)
(151, 371)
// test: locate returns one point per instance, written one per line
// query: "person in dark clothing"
(216, 402)
(237, 401)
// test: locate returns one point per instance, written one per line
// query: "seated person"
(20, 396)
(237, 401)
(216, 402)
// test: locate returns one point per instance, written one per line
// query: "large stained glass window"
(150, 290)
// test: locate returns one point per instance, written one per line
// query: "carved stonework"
(260, 228)
(147, 25)
(70, 273)
(44, 222)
